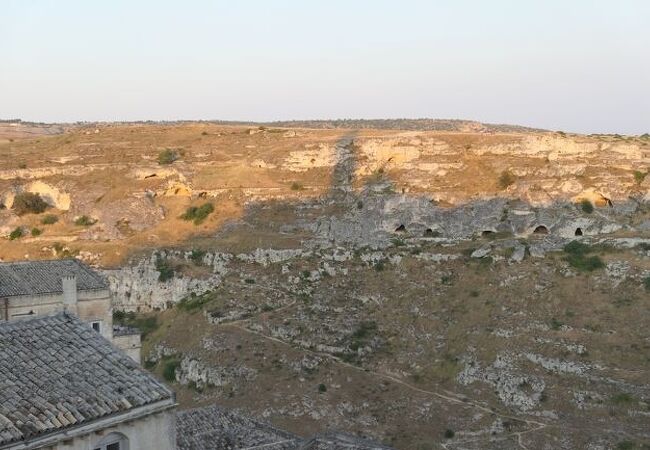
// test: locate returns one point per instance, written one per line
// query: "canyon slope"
(448, 284)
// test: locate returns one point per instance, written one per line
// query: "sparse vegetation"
(578, 257)
(506, 179)
(167, 156)
(197, 256)
(194, 302)
(586, 206)
(36, 232)
(145, 323)
(49, 219)
(29, 202)
(198, 214)
(170, 365)
(16, 233)
(84, 221)
(165, 269)
(639, 176)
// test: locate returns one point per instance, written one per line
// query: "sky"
(578, 65)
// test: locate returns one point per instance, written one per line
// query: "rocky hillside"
(468, 288)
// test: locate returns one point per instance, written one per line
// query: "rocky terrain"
(475, 287)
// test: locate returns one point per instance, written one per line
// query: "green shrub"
(506, 179)
(17, 233)
(169, 369)
(577, 257)
(622, 398)
(198, 214)
(49, 219)
(167, 156)
(322, 388)
(585, 263)
(146, 324)
(639, 176)
(449, 433)
(28, 202)
(165, 269)
(197, 256)
(36, 231)
(577, 248)
(586, 206)
(295, 186)
(194, 302)
(84, 221)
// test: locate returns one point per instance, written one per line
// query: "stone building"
(64, 387)
(37, 288)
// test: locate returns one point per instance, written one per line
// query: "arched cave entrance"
(400, 229)
(578, 231)
(487, 233)
(428, 232)
(540, 229)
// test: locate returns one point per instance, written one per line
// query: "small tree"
(28, 202)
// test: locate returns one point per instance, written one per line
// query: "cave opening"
(540, 229)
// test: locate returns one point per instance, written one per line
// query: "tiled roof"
(340, 441)
(44, 277)
(56, 373)
(213, 428)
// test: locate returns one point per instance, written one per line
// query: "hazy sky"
(573, 65)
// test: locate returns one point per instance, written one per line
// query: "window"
(97, 328)
(114, 441)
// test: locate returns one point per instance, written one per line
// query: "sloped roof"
(44, 277)
(213, 428)
(57, 373)
(340, 441)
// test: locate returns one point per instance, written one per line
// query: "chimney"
(69, 283)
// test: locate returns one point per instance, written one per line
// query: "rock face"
(139, 288)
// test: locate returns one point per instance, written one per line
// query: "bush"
(197, 256)
(194, 302)
(84, 221)
(449, 433)
(577, 257)
(49, 219)
(295, 186)
(17, 233)
(165, 269)
(167, 156)
(322, 388)
(639, 176)
(169, 369)
(28, 202)
(198, 213)
(146, 324)
(506, 179)
(586, 206)
(36, 231)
